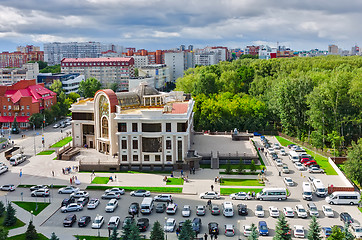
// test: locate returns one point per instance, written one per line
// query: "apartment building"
(70, 82)
(10, 76)
(19, 58)
(160, 73)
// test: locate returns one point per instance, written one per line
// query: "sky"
(166, 24)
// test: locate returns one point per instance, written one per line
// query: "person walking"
(205, 236)
(211, 236)
(177, 231)
(212, 187)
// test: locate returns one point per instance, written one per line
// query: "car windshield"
(313, 208)
(110, 204)
(263, 227)
(169, 224)
(299, 230)
(186, 208)
(97, 221)
(328, 209)
(259, 208)
(301, 210)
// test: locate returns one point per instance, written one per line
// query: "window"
(135, 144)
(124, 144)
(22, 107)
(181, 127)
(168, 158)
(168, 144)
(151, 127)
(168, 127)
(134, 127)
(22, 114)
(179, 150)
(4, 113)
(4, 107)
(146, 158)
(135, 158)
(152, 144)
(27, 114)
(27, 107)
(8, 99)
(104, 127)
(124, 158)
(82, 116)
(122, 127)
(9, 113)
(157, 158)
(9, 107)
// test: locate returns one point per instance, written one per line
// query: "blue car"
(327, 231)
(263, 228)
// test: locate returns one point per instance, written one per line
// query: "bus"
(343, 198)
(272, 194)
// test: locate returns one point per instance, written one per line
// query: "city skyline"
(168, 24)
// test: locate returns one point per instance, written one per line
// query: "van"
(343, 198)
(307, 191)
(293, 156)
(319, 188)
(228, 210)
(147, 205)
(17, 159)
(272, 194)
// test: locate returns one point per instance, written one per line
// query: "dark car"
(160, 207)
(242, 209)
(69, 220)
(213, 228)
(196, 225)
(274, 156)
(67, 201)
(83, 221)
(128, 219)
(134, 207)
(143, 224)
(346, 218)
(291, 145)
(82, 201)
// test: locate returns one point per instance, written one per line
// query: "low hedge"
(151, 189)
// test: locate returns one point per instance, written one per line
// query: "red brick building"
(17, 59)
(23, 99)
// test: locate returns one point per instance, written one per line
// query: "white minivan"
(17, 159)
(147, 205)
(228, 210)
(343, 198)
(293, 156)
(272, 194)
(307, 191)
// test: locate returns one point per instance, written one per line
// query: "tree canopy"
(89, 87)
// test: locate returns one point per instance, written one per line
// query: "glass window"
(124, 158)
(122, 127)
(135, 158)
(134, 127)
(168, 158)
(179, 150)
(27, 114)
(104, 127)
(135, 144)
(157, 158)
(168, 127)
(181, 127)
(146, 158)
(27, 107)
(124, 144)
(168, 144)
(151, 127)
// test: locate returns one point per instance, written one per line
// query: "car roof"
(114, 218)
(229, 226)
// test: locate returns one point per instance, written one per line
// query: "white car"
(283, 152)
(68, 190)
(98, 221)
(273, 211)
(247, 230)
(56, 125)
(279, 162)
(288, 181)
(210, 195)
(170, 225)
(171, 208)
(186, 211)
(288, 211)
(356, 230)
(315, 170)
(80, 194)
(259, 211)
(301, 212)
(115, 190)
(299, 166)
(276, 146)
(299, 231)
(270, 150)
(72, 208)
(200, 210)
(163, 198)
(240, 196)
(140, 193)
(114, 222)
(3, 169)
(93, 203)
(111, 205)
(328, 211)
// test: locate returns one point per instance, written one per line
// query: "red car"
(311, 162)
(304, 160)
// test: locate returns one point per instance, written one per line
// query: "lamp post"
(166, 227)
(31, 212)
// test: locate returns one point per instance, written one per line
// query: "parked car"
(140, 193)
(282, 152)
(291, 145)
(299, 166)
(8, 187)
(143, 224)
(171, 208)
(259, 210)
(196, 225)
(111, 195)
(263, 228)
(327, 231)
(229, 230)
(160, 207)
(115, 190)
(270, 150)
(213, 228)
(288, 181)
(67, 201)
(346, 218)
(200, 210)
(83, 201)
(93, 203)
(170, 225)
(3, 169)
(40, 193)
(128, 219)
(215, 209)
(276, 146)
(279, 162)
(68, 190)
(113, 222)
(72, 207)
(79, 194)
(242, 209)
(314, 169)
(84, 221)
(301, 212)
(240, 196)
(98, 221)
(328, 211)
(56, 125)
(210, 195)
(310, 163)
(37, 187)
(111, 205)
(299, 231)
(356, 230)
(69, 220)
(312, 209)
(246, 230)
(163, 198)
(273, 211)
(134, 208)
(288, 212)
(186, 211)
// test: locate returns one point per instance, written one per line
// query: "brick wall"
(332, 189)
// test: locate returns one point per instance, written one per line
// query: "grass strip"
(135, 172)
(321, 160)
(31, 206)
(360, 209)
(22, 237)
(17, 224)
(233, 166)
(175, 181)
(90, 237)
(28, 186)
(46, 152)
(151, 189)
(241, 182)
(228, 191)
(62, 142)
(260, 158)
(100, 180)
(236, 173)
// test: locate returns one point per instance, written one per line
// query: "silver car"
(72, 208)
(229, 230)
(68, 190)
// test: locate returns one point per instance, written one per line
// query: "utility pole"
(34, 139)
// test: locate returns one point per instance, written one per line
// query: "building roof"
(108, 59)
(179, 108)
(35, 91)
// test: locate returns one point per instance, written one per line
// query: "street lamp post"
(31, 212)
(166, 227)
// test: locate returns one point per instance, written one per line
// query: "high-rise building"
(332, 49)
(178, 62)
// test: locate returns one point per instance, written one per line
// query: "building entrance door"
(91, 144)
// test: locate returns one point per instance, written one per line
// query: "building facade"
(160, 73)
(178, 62)
(10, 76)
(106, 70)
(19, 58)
(145, 129)
(22, 100)
(70, 82)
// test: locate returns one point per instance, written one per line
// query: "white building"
(10, 76)
(178, 62)
(145, 128)
(160, 73)
(140, 61)
(206, 58)
(266, 51)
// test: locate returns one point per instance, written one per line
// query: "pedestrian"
(109, 232)
(115, 177)
(212, 187)
(211, 236)
(70, 180)
(53, 173)
(73, 178)
(177, 231)
(63, 170)
(209, 203)
(190, 171)
(215, 180)
(182, 172)
(193, 170)
(132, 213)
(93, 173)
(205, 236)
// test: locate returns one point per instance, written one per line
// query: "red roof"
(10, 119)
(35, 91)
(108, 59)
(179, 108)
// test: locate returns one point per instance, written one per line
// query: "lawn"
(17, 224)
(236, 173)
(175, 181)
(151, 189)
(62, 142)
(30, 206)
(233, 166)
(241, 182)
(22, 237)
(100, 180)
(90, 237)
(360, 209)
(228, 191)
(322, 161)
(46, 152)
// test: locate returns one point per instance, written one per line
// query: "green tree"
(314, 231)
(157, 232)
(353, 165)
(113, 86)
(89, 87)
(249, 56)
(336, 234)
(134, 232)
(136, 73)
(31, 233)
(347, 234)
(187, 233)
(228, 168)
(51, 69)
(54, 237)
(15, 127)
(73, 97)
(252, 166)
(2, 208)
(126, 230)
(241, 167)
(10, 218)
(206, 83)
(37, 119)
(57, 88)
(254, 235)
(336, 141)
(3, 233)
(282, 230)
(114, 235)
